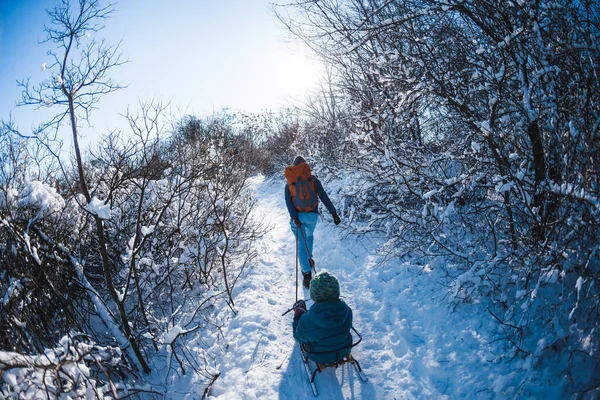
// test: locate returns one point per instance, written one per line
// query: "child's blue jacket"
(324, 328)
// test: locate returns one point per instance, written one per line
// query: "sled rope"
(296, 264)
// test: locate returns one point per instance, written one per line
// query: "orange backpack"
(302, 187)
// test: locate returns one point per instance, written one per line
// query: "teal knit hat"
(324, 287)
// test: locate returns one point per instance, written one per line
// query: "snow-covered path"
(412, 346)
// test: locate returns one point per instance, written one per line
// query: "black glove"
(336, 219)
(297, 222)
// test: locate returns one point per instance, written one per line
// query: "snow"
(97, 207)
(172, 335)
(35, 381)
(430, 194)
(8, 198)
(40, 195)
(13, 290)
(145, 230)
(578, 286)
(414, 346)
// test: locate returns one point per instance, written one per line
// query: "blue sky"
(199, 55)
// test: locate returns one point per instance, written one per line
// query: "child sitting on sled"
(324, 330)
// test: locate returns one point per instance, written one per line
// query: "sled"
(312, 374)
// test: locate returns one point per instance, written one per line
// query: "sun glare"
(299, 75)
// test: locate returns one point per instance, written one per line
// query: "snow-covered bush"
(175, 219)
(476, 143)
(36, 286)
(147, 232)
(76, 369)
(178, 231)
(269, 137)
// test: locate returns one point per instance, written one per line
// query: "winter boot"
(307, 277)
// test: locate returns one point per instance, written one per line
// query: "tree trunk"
(102, 241)
(539, 165)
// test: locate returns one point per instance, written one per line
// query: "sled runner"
(319, 367)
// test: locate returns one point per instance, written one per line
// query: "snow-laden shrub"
(174, 219)
(34, 282)
(77, 368)
(8, 198)
(178, 230)
(42, 197)
(476, 143)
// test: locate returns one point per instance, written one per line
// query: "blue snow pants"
(309, 223)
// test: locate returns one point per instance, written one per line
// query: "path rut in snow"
(412, 347)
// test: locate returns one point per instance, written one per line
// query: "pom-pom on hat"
(324, 286)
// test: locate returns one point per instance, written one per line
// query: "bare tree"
(80, 77)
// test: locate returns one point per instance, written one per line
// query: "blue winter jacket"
(325, 328)
(320, 192)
